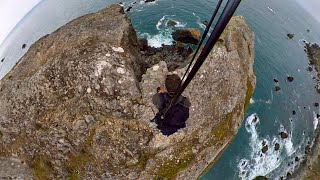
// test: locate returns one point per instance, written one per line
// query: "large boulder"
(191, 36)
(78, 104)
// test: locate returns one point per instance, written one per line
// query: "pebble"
(119, 49)
(89, 90)
(120, 70)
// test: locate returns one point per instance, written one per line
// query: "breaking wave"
(259, 163)
(164, 31)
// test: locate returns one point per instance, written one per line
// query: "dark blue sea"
(276, 57)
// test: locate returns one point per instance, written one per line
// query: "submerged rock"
(290, 35)
(171, 23)
(78, 103)
(277, 88)
(290, 78)
(147, 1)
(2, 59)
(275, 80)
(24, 46)
(191, 36)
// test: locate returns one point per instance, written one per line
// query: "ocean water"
(276, 56)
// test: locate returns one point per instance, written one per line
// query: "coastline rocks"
(24, 46)
(277, 88)
(290, 35)
(79, 103)
(191, 36)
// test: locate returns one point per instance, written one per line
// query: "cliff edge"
(78, 105)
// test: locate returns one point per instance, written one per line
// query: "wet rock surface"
(78, 104)
(191, 36)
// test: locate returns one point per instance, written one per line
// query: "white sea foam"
(260, 164)
(270, 9)
(315, 121)
(164, 32)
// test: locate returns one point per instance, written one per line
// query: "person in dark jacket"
(178, 114)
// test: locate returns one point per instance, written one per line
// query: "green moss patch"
(41, 167)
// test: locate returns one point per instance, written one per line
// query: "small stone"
(296, 159)
(294, 112)
(290, 78)
(155, 68)
(308, 30)
(119, 49)
(2, 59)
(275, 80)
(108, 55)
(278, 88)
(24, 46)
(120, 70)
(316, 104)
(318, 115)
(310, 68)
(89, 90)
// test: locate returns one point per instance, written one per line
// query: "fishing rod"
(224, 19)
(204, 35)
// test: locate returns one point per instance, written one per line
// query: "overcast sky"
(312, 6)
(11, 12)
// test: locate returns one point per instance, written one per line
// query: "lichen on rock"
(78, 104)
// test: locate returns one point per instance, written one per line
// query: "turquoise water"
(275, 57)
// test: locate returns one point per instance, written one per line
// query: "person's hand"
(160, 90)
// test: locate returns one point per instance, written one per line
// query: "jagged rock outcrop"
(191, 36)
(78, 104)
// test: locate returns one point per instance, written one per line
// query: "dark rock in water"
(255, 119)
(310, 68)
(264, 149)
(278, 88)
(290, 35)
(260, 178)
(3, 59)
(147, 1)
(318, 115)
(24, 46)
(129, 8)
(191, 36)
(276, 146)
(297, 159)
(275, 80)
(307, 149)
(171, 23)
(143, 44)
(284, 135)
(293, 112)
(205, 23)
(308, 30)
(290, 78)
(316, 104)
(289, 175)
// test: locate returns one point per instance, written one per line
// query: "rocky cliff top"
(78, 104)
